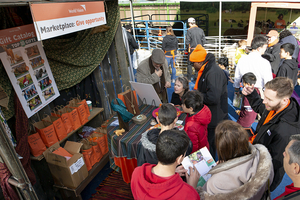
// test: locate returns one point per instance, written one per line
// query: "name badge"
(248, 108)
(269, 132)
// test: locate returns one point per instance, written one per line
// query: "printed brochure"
(203, 161)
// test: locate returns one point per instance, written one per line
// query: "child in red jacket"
(198, 117)
(161, 181)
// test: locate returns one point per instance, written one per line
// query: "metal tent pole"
(19, 177)
(220, 27)
(132, 19)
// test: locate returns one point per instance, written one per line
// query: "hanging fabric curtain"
(74, 58)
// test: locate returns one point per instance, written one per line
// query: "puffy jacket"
(147, 153)
(244, 177)
(196, 128)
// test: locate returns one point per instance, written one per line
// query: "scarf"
(272, 113)
(199, 75)
(273, 43)
(160, 89)
(209, 57)
(268, 118)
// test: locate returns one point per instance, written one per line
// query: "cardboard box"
(69, 173)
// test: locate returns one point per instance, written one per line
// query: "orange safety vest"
(173, 55)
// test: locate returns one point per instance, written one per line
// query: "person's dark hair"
(294, 150)
(184, 81)
(284, 34)
(128, 27)
(169, 30)
(223, 61)
(249, 78)
(167, 114)
(280, 15)
(171, 144)
(282, 85)
(288, 47)
(231, 140)
(258, 41)
(193, 99)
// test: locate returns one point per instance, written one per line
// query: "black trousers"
(211, 141)
(189, 66)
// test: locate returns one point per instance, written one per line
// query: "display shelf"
(74, 194)
(96, 111)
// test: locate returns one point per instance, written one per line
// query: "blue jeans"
(134, 70)
(171, 62)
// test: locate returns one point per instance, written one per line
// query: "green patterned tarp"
(72, 59)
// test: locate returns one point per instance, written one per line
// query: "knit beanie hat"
(199, 54)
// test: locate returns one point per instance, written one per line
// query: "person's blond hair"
(242, 42)
(169, 30)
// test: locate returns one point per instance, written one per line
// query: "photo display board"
(25, 62)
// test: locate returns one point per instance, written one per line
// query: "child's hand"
(238, 112)
(193, 178)
(247, 89)
(180, 170)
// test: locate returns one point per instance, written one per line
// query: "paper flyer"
(25, 62)
(203, 161)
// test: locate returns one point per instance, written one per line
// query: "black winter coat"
(169, 43)
(176, 100)
(213, 86)
(289, 68)
(272, 55)
(275, 134)
(291, 39)
(147, 152)
(132, 44)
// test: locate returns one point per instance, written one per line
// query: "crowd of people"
(249, 165)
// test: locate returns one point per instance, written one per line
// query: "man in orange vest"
(280, 118)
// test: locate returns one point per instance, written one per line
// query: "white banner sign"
(55, 19)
